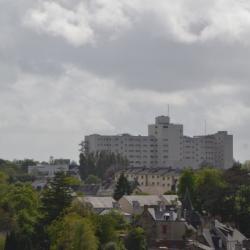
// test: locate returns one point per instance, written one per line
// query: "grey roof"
(143, 200)
(156, 171)
(99, 202)
(171, 199)
(232, 234)
(208, 237)
(158, 215)
(153, 200)
(201, 246)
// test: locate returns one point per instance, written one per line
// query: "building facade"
(165, 178)
(166, 146)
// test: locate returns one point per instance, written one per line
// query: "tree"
(105, 228)
(187, 181)
(92, 179)
(56, 197)
(209, 190)
(99, 163)
(2, 241)
(114, 246)
(242, 208)
(21, 207)
(122, 187)
(136, 240)
(72, 232)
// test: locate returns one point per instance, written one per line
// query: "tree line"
(52, 219)
(223, 193)
(101, 164)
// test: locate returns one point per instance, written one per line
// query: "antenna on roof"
(168, 110)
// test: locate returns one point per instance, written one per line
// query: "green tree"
(2, 242)
(242, 207)
(187, 181)
(136, 240)
(92, 179)
(56, 197)
(114, 246)
(105, 228)
(122, 187)
(100, 164)
(72, 232)
(209, 190)
(21, 209)
(12, 170)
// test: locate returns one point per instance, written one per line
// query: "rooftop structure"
(134, 204)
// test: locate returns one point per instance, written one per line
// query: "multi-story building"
(165, 178)
(166, 146)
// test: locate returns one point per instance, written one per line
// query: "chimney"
(171, 212)
(161, 206)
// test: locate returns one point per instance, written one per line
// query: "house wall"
(175, 230)
(162, 230)
(166, 180)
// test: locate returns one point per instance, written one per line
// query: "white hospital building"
(166, 146)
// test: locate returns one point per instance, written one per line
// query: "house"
(165, 179)
(99, 204)
(219, 236)
(134, 204)
(163, 227)
(211, 234)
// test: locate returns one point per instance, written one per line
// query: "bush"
(2, 242)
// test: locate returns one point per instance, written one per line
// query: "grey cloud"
(52, 93)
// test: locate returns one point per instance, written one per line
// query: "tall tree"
(99, 163)
(187, 181)
(56, 197)
(122, 187)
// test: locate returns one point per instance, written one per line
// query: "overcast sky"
(69, 68)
